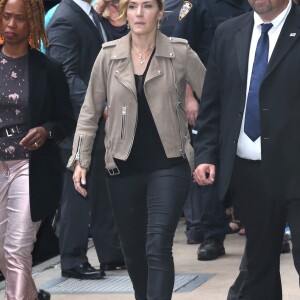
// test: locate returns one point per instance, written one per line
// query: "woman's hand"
(79, 178)
(35, 138)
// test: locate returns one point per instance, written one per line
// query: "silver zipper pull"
(77, 156)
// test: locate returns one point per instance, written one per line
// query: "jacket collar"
(242, 44)
(83, 17)
(163, 47)
(289, 34)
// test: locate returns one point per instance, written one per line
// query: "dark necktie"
(98, 25)
(252, 117)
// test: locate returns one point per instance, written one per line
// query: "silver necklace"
(142, 56)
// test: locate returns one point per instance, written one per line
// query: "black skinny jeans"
(147, 207)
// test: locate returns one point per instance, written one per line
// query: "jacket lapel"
(242, 44)
(124, 72)
(37, 76)
(163, 49)
(84, 18)
(290, 33)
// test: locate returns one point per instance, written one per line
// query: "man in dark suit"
(205, 216)
(75, 39)
(248, 133)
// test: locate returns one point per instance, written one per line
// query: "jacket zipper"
(77, 155)
(135, 125)
(124, 113)
(181, 151)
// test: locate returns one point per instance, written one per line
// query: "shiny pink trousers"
(17, 231)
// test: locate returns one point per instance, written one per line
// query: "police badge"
(186, 7)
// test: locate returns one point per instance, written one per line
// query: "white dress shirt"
(246, 148)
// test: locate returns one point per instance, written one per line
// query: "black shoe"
(83, 271)
(112, 266)
(210, 249)
(285, 248)
(191, 241)
(43, 295)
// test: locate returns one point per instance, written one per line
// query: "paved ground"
(225, 270)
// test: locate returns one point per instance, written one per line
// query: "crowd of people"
(137, 112)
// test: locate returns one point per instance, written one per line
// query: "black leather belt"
(13, 130)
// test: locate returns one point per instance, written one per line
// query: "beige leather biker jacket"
(173, 65)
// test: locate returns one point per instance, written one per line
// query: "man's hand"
(191, 106)
(204, 174)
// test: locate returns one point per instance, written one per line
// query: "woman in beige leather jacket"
(148, 153)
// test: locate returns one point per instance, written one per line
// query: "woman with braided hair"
(35, 112)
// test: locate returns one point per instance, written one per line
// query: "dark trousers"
(204, 213)
(78, 212)
(236, 291)
(147, 207)
(264, 220)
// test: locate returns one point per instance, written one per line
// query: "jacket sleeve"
(193, 25)
(90, 114)
(206, 143)
(195, 71)
(64, 46)
(63, 122)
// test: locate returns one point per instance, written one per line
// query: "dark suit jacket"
(49, 106)
(75, 42)
(223, 101)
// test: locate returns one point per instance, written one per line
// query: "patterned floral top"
(13, 104)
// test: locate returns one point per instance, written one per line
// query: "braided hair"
(35, 14)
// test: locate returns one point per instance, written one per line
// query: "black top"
(13, 104)
(147, 151)
(114, 32)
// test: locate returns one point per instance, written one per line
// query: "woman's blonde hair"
(36, 15)
(124, 4)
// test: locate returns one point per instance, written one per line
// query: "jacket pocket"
(123, 125)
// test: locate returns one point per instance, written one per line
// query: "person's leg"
(103, 229)
(264, 223)
(74, 220)
(214, 224)
(236, 290)
(128, 199)
(192, 215)
(3, 211)
(20, 234)
(293, 219)
(166, 194)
